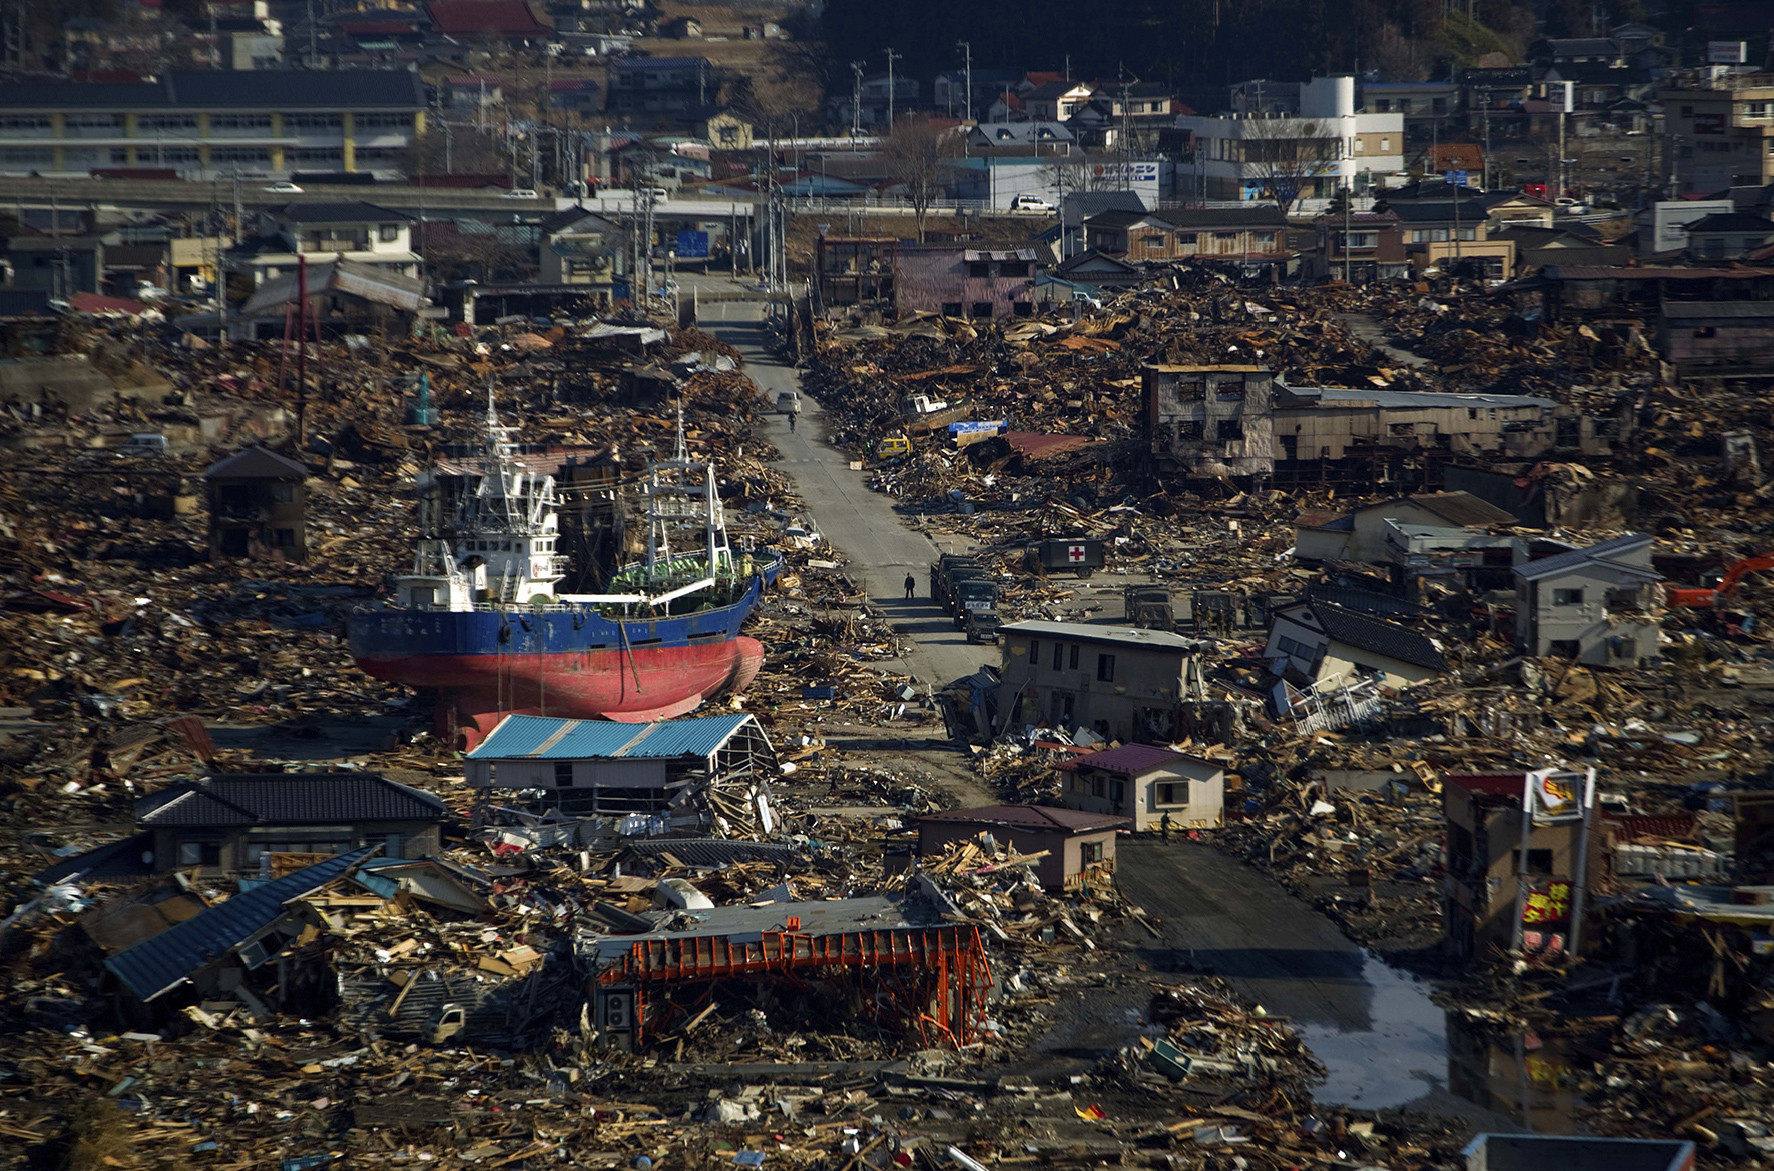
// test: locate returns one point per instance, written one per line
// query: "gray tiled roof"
(287, 799)
(1373, 634)
(162, 962)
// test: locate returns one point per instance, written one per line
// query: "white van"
(788, 402)
(143, 443)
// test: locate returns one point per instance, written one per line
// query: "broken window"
(1168, 795)
(1230, 429)
(982, 308)
(951, 308)
(1090, 853)
(1034, 652)
(283, 493)
(200, 853)
(979, 268)
(1074, 656)
(1058, 651)
(1539, 861)
(284, 538)
(1105, 668)
(563, 774)
(1190, 429)
(1568, 597)
(1190, 392)
(1232, 391)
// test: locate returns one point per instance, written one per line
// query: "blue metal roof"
(549, 738)
(159, 964)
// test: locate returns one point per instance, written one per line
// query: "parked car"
(1030, 203)
(522, 193)
(284, 187)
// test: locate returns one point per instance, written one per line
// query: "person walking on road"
(1164, 826)
(792, 416)
(911, 587)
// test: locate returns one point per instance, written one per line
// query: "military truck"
(1082, 555)
(960, 584)
(1149, 606)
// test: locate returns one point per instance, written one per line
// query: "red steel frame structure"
(944, 996)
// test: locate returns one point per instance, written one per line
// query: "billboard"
(1726, 52)
(692, 245)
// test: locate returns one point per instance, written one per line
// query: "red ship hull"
(632, 686)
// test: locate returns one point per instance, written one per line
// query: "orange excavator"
(1713, 595)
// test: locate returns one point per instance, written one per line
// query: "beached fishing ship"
(479, 621)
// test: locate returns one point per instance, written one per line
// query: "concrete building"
(1591, 605)
(225, 824)
(1359, 247)
(1720, 130)
(1080, 847)
(1145, 785)
(856, 270)
(1208, 422)
(964, 282)
(677, 86)
(1360, 534)
(1120, 683)
(1304, 150)
(1483, 814)
(1236, 422)
(258, 504)
(216, 122)
(1329, 644)
(1552, 1152)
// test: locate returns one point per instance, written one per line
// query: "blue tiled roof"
(159, 964)
(548, 738)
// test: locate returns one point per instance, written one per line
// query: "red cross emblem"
(1075, 552)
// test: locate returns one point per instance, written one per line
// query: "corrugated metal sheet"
(548, 738)
(155, 966)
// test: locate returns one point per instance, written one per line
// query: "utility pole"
(892, 56)
(856, 104)
(966, 48)
(313, 37)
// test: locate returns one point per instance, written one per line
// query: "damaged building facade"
(1240, 423)
(580, 781)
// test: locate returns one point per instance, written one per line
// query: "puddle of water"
(1420, 1055)
(1400, 1058)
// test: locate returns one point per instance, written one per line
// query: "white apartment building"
(1325, 146)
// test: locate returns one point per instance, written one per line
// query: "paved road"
(860, 522)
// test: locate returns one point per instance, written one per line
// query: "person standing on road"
(1164, 826)
(911, 587)
(792, 416)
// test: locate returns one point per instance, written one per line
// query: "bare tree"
(1285, 154)
(917, 154)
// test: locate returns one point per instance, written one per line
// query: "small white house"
(1144, 784)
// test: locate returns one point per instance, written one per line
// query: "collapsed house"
(900, 960)
(546, 781)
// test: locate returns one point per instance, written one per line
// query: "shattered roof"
(1371, 634)
(287, 799)
(1458, 508)
(163, 962)
(549, 738)
(1030, 817)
